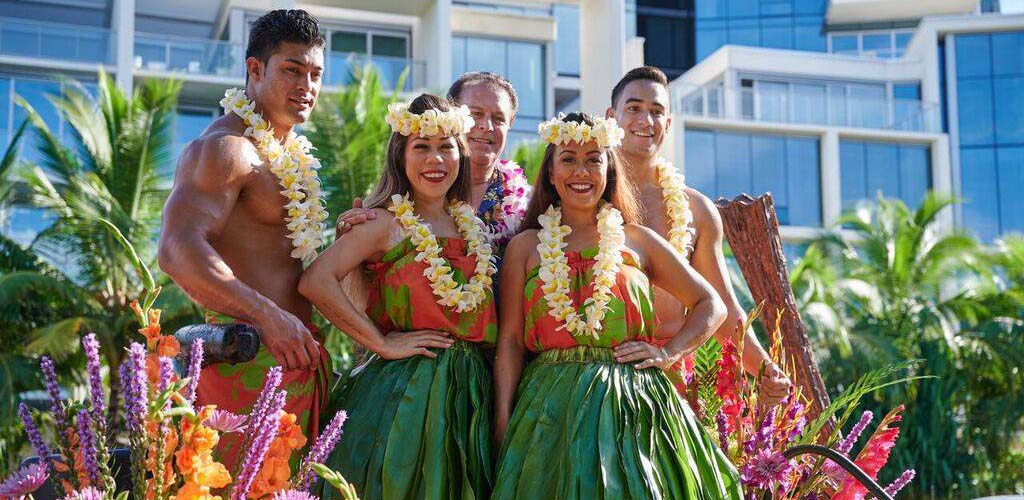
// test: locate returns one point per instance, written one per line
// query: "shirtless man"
(224, 239)
(640, 103)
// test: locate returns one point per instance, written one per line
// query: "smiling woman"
(431, 307)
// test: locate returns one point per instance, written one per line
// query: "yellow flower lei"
(295, 169)
(677, 205)
(449, 293)
(554, 269)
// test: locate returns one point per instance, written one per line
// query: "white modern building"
(901, 98)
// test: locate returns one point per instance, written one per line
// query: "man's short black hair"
(277, 26)
(642, 73)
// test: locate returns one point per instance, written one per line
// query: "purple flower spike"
(59, 410)
(318, 452)
(87, 440)
(721, 421)
(136, 388)
(32, 431)
(195, 366)
(166, 376)
(264, 431)
(24, 481)
(92, 367)
(847, 443)
(900, 482)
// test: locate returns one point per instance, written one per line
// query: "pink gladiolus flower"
(873, 456)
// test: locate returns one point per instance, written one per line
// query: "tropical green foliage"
(897, 289)
(529, 156)
(75, 278)
(350, 136)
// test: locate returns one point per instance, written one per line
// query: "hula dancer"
(595, 415)
(420, 409)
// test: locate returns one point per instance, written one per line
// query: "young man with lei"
(594, 414)
(683, 216)
(420, 408)
(500, 189)
(243, 215)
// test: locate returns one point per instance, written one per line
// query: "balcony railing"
(188, 55)
(811, 105)
(64, 42)
(343, 66)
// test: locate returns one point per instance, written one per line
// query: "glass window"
(1007, 53)
(711, 8)
(5, 112)
(867, 169)
(776, 7)
(972, 55)
(458, 56)
(809, 6)
(974, 103)
(1009, 93)
(526, 72)
(732, 163)
(902, 40)
(1011, 180)
(390, 46)
(710, 36)
(343, 41)
(845, 44)
(980, 191)
(725, 164)
(743, 8)
(483, 54)
(773, 101)
(807, 35)
(567, 48)
(915, 174)
(803, 176)
(699, 164)
(188, 125)
(836, 104)
(852, 185)
(777, 33)
(907, 107)
(744, 32)
(877, 45)
(809, 103)
(867, 105)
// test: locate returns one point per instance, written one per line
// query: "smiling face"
(579, 173)
(431, 165)
(286, 87)
(491, 109)
(642, 111)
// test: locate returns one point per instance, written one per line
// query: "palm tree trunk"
(753, 233)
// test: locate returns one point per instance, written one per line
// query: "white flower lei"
(673, 189)
(554, 270)
(295, 169)
(606, 131)
(515, 197)
(449, 293)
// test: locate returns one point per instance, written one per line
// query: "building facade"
(823, 103)
(887, 98)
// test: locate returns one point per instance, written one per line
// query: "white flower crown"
(606, 131)
(430, 123)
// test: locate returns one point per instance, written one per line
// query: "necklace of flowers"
(462, 298)
(296, 171)
(515, 196)
(677, 205)
(554, 270)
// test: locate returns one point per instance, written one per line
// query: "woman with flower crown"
(594, 414)
(420, 407)
(500, 190)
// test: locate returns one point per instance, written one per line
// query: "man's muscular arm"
(210, 177)
(709, 260)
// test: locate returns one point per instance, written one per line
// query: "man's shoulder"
(219, 151)
(700, 205)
